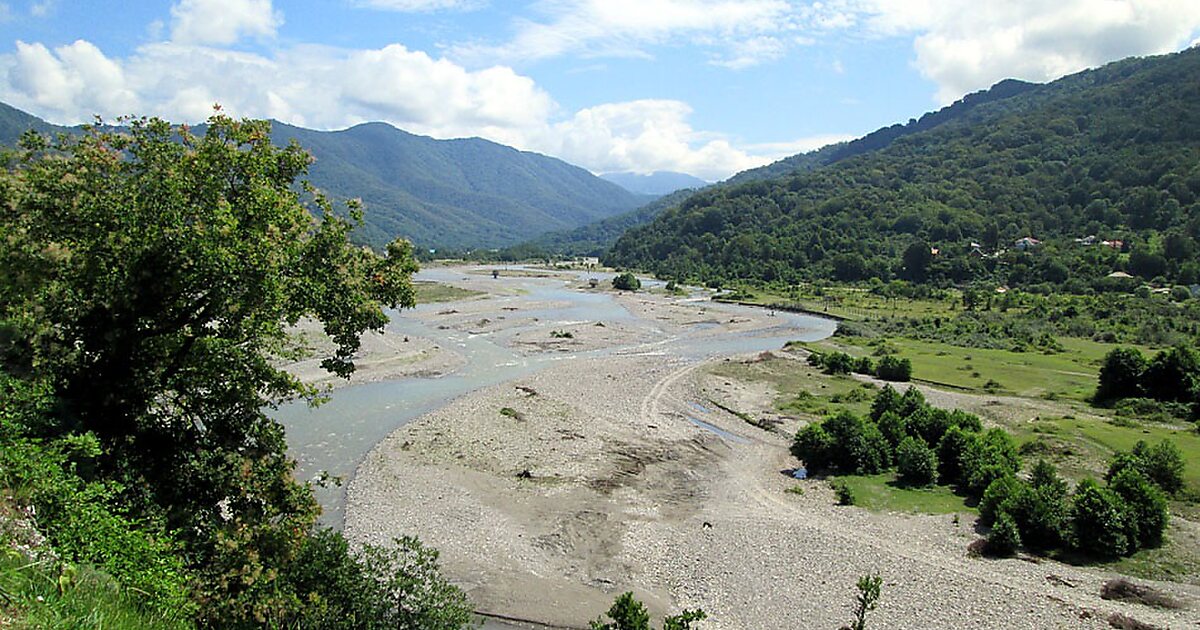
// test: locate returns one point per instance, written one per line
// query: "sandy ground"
(385, 355)
(595, 480)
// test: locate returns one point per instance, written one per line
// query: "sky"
(705, 87)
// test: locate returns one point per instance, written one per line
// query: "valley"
(606, 461)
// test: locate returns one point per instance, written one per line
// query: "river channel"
(335, 436)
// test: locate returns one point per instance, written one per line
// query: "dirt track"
(598, 482)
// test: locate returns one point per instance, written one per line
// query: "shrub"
(864, 366)
(1099, 525)
(1146, 506)
(890, 368)
(950, 449)
(838, 363)
(1005, 537)
(1122, 590)
(992, 456)
(996, 496)
(813, 445)
(917, 463)
(1162, 464)
(843, 492)
(1121, 374)
(886, 400)
(893, 427)
(626, 282)
(1040, 513)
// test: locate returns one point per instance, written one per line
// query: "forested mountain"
(1111, 154)
(454, 193)
(656, 183)
(437, 193)
(597, 237)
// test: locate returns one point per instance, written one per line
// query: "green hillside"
(463, 193)
(1111, 153)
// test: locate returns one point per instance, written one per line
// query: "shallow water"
(334, 437)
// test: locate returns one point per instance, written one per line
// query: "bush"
(892, 369)
(886, 400)
(1121, 374)
(992, 456)
(1099, 525)
(1005, 537)
(1145, 504)
(1162, 464)
(996, 496)
(1041, 514)
(626, 282)
(838, 363)
(844, 442)
(843, 492)
(950, 449)
(917, 463)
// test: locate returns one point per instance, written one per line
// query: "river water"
(335, 436)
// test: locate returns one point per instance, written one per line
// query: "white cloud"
(222, 22)
(752, 52)
(327, 88)
(644, 136)
(42, 9)
(420, 6)
(623, 27)
(967, 45)
(53, 81)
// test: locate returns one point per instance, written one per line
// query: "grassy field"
(853, 303)
(431, 292)
(881, 493)
(1070, 374)
(804, 391)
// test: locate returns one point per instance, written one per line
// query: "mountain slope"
(597, 237)
(656, 183)
(438, 193)
(1112, 152)
(453, 193)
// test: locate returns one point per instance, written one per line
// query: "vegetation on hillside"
(1107, 157)
(154, 275)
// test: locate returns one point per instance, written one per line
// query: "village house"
(1027, 243)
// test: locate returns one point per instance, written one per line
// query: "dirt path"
(603, 478)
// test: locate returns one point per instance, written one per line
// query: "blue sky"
(707, 87)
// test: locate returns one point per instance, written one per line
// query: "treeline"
(889, 368)
(1110, 154)
(150, 276)
(927, 445)
(1172, 376)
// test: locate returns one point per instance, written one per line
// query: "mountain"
(591, 239)
(461, 193)
(453, 193)
(1109, 153)
(656, 183)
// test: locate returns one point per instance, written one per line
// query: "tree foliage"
(154, 274)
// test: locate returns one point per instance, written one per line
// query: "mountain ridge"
(464, 193)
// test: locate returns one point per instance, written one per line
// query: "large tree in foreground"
(150, 276)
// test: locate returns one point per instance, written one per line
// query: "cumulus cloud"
(966, 45)
(222, 22)
(328, 88)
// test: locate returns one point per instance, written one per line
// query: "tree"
(916, 261)
(868, 599)
(916, 462)
(996, 497)
(1146, 505)
(627, 613)
(1162, 464)
(1005, 537)
(159, 271)
(1121, 375)
(1173, 374)
(891, 368)
(1099, 524)
(886, 400)
(626, 282)
(1041, 514)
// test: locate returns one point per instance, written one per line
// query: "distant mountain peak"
(656, 183)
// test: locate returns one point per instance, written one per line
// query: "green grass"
(431, 292)
(853, 303)
(1069, 375)
(1093, 442)
(802, 388)
(38, 595)
(881, 493)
